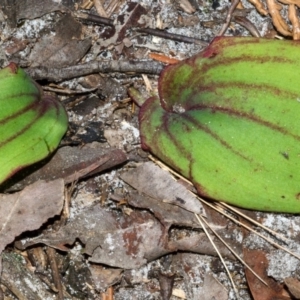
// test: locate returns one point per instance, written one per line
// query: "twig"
(156, 32)
(234, 253)
(243, 21)
(94, 18)
(249, 228)
(229, 16)
(134, 66)
(55, 273)
(172, 36)
(200, 220)
(61, 90)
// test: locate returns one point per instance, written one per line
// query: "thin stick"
(229, 16)
(172, 36)
(250, 229)
(234, 253)
(279, 236)
(200, 219)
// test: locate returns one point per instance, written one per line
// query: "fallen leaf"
(168, 214)
(31, 9)
(16, 10)
(258, 262)
(63, 49)
(105, 277)
(293, 285)
(159, 184)
(29, 209)
(140, 240)
(124, 241)
(199, 244)
(69, 163)
(120, 240)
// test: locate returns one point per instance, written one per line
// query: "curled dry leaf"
(29, 209)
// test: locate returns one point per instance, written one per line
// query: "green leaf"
(228, 119)
(31, 123)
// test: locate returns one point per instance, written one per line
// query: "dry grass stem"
(201, 221)
(232, 209)
(100, 9)
(276, 245)
(234, 253)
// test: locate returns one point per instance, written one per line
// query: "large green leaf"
(229, 120)
(31, 123)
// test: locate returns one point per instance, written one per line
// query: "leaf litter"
(136, 241)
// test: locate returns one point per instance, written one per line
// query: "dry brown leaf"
(31, 9)
(200, 244)
(120, 240)
(16, 10)
(293, 285)
(70, 163)
(258, 261)
(159, 184)
(125, 241)
(63, 49)
(168, 214)
(105, 277)
(29, 209)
